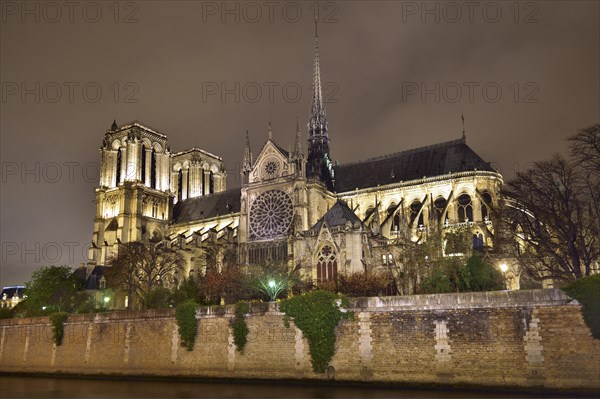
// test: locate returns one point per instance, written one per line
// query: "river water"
(42, 387)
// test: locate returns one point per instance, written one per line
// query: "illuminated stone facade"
(140, 181)
(292, 207)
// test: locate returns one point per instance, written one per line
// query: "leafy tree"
(483, 276)
(554, 210)
(186, 291)
(587, 292)
(222, 285)
(53, 289)
(158, 298)
(141, 269)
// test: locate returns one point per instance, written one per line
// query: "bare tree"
(140, 268)
(553, 210)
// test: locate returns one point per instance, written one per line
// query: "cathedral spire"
(462, 118)
(318, 117)
(319, 165)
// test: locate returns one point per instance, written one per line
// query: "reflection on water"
(36, 387)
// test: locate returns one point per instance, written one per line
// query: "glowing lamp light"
(106, 299)
(271, 283)
(503, 267)
(43, 308)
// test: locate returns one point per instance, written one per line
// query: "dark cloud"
(370, 52)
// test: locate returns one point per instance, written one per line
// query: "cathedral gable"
(325, 236)
(271, 163)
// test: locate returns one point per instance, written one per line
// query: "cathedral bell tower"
(134, 198)
(319, 165)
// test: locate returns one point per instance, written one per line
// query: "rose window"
(270, 168)
(271, 214)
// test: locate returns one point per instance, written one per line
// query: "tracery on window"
(327, 264)
(465, 208)
(415, 210)
(439, 206)
(486, 206)
(270, 215)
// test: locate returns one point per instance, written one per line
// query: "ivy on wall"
(185, 314)
(58, 326)
(317, 314)
(239, 326)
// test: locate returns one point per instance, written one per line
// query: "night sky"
(397, 75)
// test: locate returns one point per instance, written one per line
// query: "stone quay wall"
(513, 339)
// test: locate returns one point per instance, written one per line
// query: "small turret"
(247, 163)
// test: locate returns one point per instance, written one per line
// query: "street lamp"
(504, 269)
(271, 287)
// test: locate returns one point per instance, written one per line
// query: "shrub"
(316, 314)
(6, 313)
(58, 326)
(484, 276)
(157, 298)
(185, 314)
(363, 284)
(240, 327)
(587, 291)
(454, 275)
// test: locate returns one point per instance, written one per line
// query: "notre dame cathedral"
(293, 206)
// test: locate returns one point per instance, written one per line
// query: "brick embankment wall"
(532, 338)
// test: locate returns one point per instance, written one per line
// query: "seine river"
(36, 387)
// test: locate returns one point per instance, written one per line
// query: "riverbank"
(62, 385)
(529, 341)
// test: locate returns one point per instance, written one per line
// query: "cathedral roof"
(207, 206)
(434, 160)
(338, 215)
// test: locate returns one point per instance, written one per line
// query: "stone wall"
(514, 339)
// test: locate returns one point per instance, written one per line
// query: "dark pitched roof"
(434, 160)
(337, 215)
(207, 206)
(280, 148)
